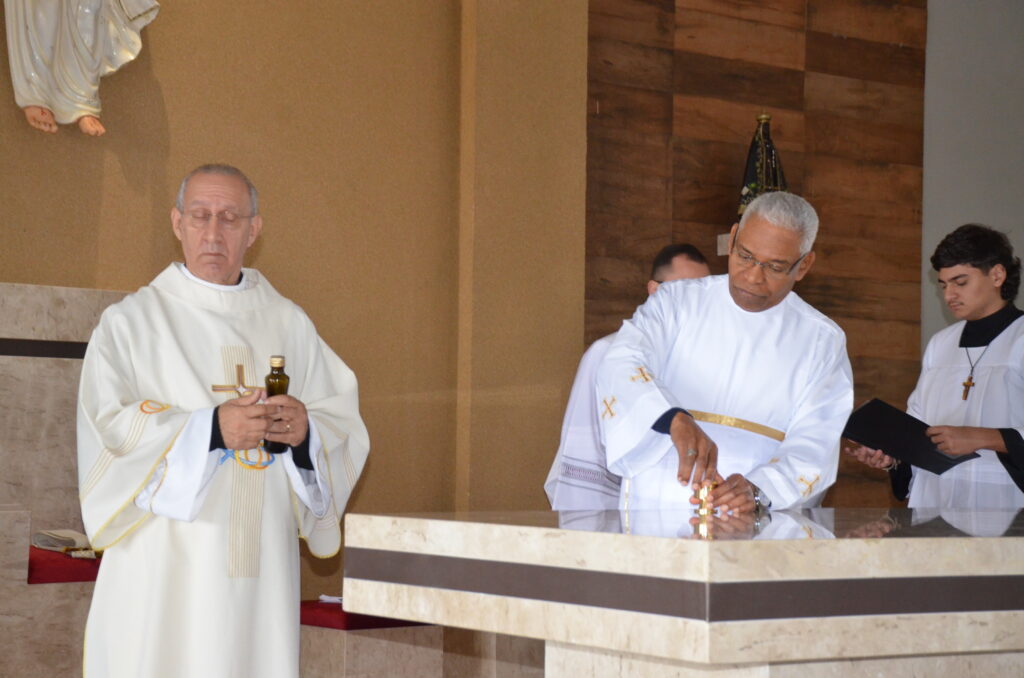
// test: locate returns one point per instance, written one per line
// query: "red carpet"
(330, 615)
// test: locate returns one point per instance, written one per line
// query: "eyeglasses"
(224, 217)
(772, 269)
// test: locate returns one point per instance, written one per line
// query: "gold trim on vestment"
(131, 502)
(736, 422)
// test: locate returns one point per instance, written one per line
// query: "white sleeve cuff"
(310, 486)
(178, 487)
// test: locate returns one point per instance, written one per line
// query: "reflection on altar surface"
(817, 523)
(836, 592)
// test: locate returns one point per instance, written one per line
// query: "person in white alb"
(731, 381)
(971, 388)
(579, 478)
(198, 523)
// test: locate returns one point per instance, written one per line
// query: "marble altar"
(824, 592)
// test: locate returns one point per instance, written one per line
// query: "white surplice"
(996, 401)
(691, 346)
(200, 572)
(579, 478)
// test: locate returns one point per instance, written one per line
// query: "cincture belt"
(736, 422)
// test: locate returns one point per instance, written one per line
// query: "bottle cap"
(277, 361)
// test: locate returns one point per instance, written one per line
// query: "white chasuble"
(773, 390)
(200, 571)
(995, 401)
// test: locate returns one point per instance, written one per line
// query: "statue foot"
(90, 124)
(41, 118)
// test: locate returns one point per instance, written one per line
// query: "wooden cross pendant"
(968, 385)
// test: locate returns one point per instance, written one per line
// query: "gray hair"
(214, 168)
(788, 211)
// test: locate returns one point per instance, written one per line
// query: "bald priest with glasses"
(731, 381)
(194, 482)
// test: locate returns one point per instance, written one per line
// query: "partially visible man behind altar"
(732, 380)
(199, 524)
(579, 478)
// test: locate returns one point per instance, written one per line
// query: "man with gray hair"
(197, 514)
(731, 381)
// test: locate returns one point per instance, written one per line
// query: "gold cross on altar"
(968, 385)
(238, 387)
(608, 412)
(642, 375)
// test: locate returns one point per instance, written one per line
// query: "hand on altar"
(698, 454)
(734, 495)
(725, 526)
(872, 530)
(243, 421)
(289, 422)
(869, 457)
(959, 440)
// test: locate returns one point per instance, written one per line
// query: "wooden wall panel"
(730, 38)
(856, 99)
(641, 22)
(831, 134)
(736, 80)
(864, 98)
(843, 81)
(629, 159)
(885, 22)
(791, 13)
(864, 59)
(867, 299)
(629, 64)
(709, 119)
(614, 107)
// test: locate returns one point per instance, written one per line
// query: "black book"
(879, 425)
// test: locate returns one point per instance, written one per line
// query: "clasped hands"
(248, 419)
(698, 459)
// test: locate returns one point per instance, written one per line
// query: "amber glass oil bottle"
(277, 384)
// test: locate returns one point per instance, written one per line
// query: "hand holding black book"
(879, 425)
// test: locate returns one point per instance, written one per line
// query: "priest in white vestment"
(971, 388)
(730, 380)
(198, 523)
(579, 478)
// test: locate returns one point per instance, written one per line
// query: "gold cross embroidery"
(608, 412)
(238, 387)
(809, 483)
(642, 375)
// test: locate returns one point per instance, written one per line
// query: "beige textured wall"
(351, 119)
(522, 243)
